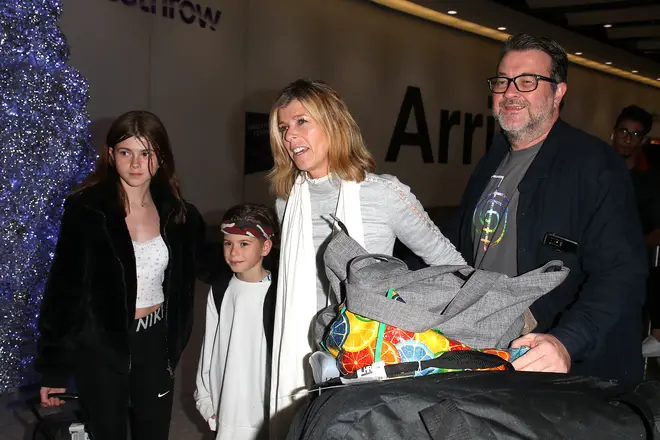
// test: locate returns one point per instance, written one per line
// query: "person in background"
(233, 380)
(629, 135)
(117, 310)
(548, 191)
(322, 168)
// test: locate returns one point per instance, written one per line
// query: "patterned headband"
(246, 228)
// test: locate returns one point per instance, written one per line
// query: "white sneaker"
(651, 347)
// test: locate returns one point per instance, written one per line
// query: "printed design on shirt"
(491, 212)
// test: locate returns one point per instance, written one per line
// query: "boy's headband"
(246, 228)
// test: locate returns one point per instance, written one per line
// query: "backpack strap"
(219, 287)
(269, 323)
(441, 422)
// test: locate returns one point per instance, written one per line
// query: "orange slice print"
(351, 361)
(388, 353)
(455, 345)
(501, 353)
(396, 335)
(361, 335)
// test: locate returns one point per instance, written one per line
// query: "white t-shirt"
(232, 367)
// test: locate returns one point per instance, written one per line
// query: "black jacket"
(647, 191)
(578, 188)
(89, 300)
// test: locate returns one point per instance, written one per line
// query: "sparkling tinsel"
(44, 151)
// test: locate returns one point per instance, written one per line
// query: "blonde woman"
(322, 167)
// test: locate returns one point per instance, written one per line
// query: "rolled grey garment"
(479, 308)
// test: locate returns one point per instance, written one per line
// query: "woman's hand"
(213, 423)
(47, 401)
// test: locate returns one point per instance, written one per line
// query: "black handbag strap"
(460, 360)
(452, 360)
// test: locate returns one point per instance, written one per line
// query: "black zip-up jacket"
(579, 189)
(89, 300)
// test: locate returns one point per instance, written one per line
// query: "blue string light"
(44, 152)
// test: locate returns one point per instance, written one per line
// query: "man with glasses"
(548, 191)
(628, 138)
(629, 135)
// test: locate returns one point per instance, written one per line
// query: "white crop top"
(151, 258)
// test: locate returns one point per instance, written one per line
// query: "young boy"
(233, 377)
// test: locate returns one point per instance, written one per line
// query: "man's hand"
(547, 354)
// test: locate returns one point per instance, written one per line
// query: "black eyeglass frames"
(524, 83)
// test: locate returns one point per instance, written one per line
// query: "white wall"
(192, 77)
(201, 82)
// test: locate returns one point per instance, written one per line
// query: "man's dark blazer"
(579, 189)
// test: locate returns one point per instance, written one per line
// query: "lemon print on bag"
(434, 341)
(361, 318)
(362, 333)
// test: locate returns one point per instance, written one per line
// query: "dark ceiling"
(632, 25)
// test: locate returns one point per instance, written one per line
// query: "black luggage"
(62, 423)
(483, 405)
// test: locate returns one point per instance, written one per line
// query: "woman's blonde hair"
(349, 158)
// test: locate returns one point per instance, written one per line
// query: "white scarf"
(296, 304)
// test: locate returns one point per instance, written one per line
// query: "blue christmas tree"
(44, 152)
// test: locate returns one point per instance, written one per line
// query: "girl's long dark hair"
(148, 128)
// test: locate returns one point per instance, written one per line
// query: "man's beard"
(626, 153)
(533, 128)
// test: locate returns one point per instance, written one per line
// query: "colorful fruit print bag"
(358, 342)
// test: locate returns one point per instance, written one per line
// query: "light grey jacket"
(389, 211)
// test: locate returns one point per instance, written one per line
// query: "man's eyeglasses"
(624, 132)
(524, 83)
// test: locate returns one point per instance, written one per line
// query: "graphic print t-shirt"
(494, 217)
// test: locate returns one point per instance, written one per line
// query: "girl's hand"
(46, 400)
